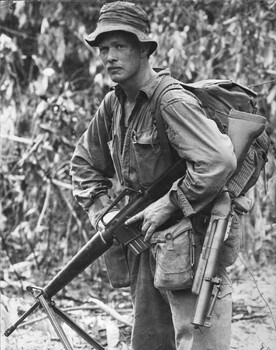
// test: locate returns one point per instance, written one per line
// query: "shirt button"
(168, 236)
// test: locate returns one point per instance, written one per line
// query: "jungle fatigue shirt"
(133, 151)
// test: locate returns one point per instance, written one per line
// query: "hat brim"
(92, 39)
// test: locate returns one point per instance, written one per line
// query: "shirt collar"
(147, 89)
(152, 84)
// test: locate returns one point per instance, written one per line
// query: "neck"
(132, 87)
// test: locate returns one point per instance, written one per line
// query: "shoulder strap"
(166, 83)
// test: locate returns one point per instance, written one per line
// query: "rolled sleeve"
(91, 165)
(209, 153)
(178, 198)
(97, 209)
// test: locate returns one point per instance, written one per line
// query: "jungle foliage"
(51, 84)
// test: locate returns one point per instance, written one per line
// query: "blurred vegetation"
(51, 84)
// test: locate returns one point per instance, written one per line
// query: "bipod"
(52, 311)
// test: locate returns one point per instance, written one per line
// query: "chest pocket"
(148, 155)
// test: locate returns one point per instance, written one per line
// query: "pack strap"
(166, 83)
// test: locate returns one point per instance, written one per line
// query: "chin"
(116, 79)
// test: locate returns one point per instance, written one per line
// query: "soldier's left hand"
(154, 215)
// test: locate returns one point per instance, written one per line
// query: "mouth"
(113, 69)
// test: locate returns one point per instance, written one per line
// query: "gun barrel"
(204, 257)
(205, 278)
(207, 282)
(91, 251)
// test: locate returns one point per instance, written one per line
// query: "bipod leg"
(48, 308)
(77, 329)
(12, 328)
(52, 311)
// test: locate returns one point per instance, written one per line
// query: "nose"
(111, 55)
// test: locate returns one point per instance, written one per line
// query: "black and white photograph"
(138, 175)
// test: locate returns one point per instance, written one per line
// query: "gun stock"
(243, 129)
(206, 284)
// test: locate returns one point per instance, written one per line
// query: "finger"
(134, 218)
(145, 227)
(149, 232)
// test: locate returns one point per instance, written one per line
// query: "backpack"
(233, 107)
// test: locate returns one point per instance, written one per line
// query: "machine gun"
(95, 247)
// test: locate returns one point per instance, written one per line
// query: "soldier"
(122, 138)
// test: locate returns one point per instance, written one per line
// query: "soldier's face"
(120, 54)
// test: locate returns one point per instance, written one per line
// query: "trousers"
(162, 318)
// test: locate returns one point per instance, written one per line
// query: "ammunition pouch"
(174, 253)
(117, 266)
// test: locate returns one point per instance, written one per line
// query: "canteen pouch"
(173, 250)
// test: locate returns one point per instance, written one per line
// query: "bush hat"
(122, 16)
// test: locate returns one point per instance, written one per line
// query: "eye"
(103, 50)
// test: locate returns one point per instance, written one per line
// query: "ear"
(144, 50)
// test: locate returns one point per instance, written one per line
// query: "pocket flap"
(147, 137)
(174, 231)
